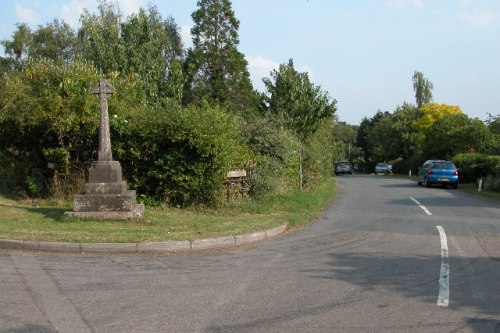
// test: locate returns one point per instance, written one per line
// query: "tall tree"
(383, 141)
(55, 41)
(17, 48)
(404, 118)
(299, 102)
(144, 46)
(99, 36)
(152, 49)
(216, 69)
(423, 89)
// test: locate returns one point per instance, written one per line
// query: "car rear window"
(443, 165)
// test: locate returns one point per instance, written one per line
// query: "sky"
(363, 53)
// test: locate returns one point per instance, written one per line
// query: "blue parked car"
(438, 172)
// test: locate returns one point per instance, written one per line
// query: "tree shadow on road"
(473, 281)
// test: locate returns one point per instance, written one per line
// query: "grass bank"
(21, 221)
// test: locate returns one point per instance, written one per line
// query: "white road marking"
(444, 278)
(421, 206)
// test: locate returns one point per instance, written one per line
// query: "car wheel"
(418, 181)
(426, 183)
(455, 186)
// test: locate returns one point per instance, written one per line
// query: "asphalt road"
(385, 256)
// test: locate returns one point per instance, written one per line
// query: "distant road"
(385, 256)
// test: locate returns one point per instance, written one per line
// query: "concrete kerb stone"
(276, 231)
(250, 238)
(53, 246)
(109, 247)
(169, 246)
(211, 243)
(11, 244)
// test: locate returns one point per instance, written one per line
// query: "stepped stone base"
(106, 196)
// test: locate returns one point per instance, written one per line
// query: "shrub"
(275, 152)
(180, 155)
(474, 165)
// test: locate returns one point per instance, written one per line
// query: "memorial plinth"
(106, 196)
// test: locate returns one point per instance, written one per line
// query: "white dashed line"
(421, 206)
(444, 278)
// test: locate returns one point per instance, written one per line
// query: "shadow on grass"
(54, 213)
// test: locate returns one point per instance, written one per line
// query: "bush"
(179, 155)
(474, 165)
(276, 156)
(318, 151)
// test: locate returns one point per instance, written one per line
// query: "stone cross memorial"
(106, 196)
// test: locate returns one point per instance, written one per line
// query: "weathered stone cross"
(102, 90)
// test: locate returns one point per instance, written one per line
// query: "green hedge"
(474, 165)
(179, 155)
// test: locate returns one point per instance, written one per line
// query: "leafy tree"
(493, 123)
(55, 41)
(152, 49)
(404, 118)
(215, 69)
(494, 127)
(429, 113)
(363, 137)
(423, 89)
(299, 102)
(144, 45)
(456, 133)
(344, 136)
(17, 48)
(384, 141)
(99, 36)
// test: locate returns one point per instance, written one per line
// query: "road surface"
(385, 256)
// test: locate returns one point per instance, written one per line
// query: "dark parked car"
(438, 172)
(383, 168)
(342, 168)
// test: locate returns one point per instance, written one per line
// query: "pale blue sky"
(363, 52)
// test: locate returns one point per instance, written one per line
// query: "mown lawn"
(21, 220)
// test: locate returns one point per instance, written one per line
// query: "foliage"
(16, 49)
(180, 155)
(168, 152)
(55, 41)
(383, 141)
(48, 106)
(215, 69)
(144, 45)
(423, 89)
(344, 139)
(475, 165)
(456, 133)
(318, 154)
(292, 97)
(276, 156)
(57, 155)
(368, 140)
(404, 117)
(493, 123)
(429, 113)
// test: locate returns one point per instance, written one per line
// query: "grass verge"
(472, 188)
(21, 221)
